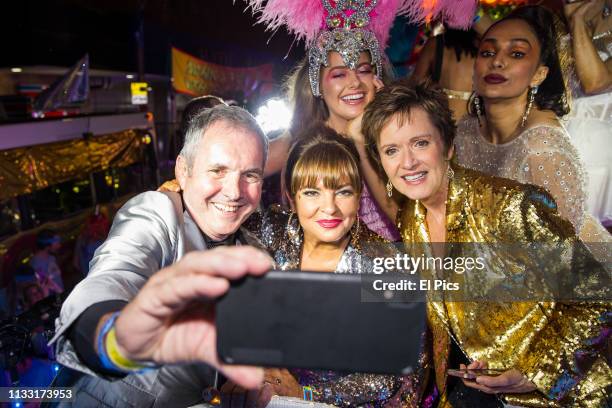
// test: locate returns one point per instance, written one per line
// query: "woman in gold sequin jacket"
(551, 353)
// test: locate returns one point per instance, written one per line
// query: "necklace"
(602, 35)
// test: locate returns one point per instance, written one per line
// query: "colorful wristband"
(109, 353)
(106, 363)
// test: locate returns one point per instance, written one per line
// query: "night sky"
(58, 32)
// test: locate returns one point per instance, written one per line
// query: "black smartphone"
(471, 374)
(316, 320)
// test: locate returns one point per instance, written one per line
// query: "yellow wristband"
(117, 358)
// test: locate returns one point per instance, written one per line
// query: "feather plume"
(459, 13)
(382, 18)
(302, 18)
(456, 13)
(306, 18)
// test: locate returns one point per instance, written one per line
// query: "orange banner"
(196, 77)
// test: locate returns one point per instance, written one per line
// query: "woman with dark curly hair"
(514, 131)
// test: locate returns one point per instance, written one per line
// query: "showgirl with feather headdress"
(351, 26)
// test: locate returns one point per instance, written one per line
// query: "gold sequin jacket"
(560, 347)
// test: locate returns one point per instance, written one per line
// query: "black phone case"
(316, 320)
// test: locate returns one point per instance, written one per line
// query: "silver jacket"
(151, 231)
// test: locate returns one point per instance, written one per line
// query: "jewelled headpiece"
(347, 36)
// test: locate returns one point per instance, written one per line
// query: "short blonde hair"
(321, 154)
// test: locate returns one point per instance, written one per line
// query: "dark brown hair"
(544, 24)
(398, 99)
(306, 107)
(194, 106)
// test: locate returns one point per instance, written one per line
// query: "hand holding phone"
(471, 374)
(492, 381)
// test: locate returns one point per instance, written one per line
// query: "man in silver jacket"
(158, 269)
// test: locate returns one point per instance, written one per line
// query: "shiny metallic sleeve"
(567, 354)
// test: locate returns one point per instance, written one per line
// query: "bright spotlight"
(274, 115)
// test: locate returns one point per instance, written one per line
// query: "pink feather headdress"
(306, 18)
(351, 26)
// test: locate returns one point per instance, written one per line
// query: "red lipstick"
(329, 223)
(494, 79)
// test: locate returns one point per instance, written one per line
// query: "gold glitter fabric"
(542, 155)
(283, 238)
(561, 347)
(32, 168)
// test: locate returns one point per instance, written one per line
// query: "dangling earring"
(355, 231)
(606, 11)
(293, 230)
(389, 189)
(478, 108)
(450, 173)
(532, 93)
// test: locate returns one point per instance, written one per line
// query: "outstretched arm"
(594, 74)
(171, 320)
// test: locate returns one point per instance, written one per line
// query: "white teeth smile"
(225, 208)
(415, 177)
(353, 97)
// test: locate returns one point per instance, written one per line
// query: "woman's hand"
(277, 381)
(283, 382)
(378, 84)
(170, 186)
(579, 12)
(509, 382)
(353, 128)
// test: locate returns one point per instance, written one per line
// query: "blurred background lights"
(274, 115)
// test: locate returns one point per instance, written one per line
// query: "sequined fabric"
(542, 155)
(560, 347)
(27, 169)
(349, 390)
(373, 216)
(283, 238)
